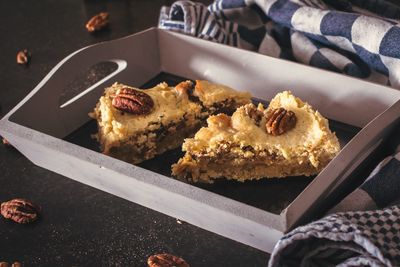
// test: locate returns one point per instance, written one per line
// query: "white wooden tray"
(39, 124)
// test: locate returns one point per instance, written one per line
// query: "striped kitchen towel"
(380, 189)
(356, 37)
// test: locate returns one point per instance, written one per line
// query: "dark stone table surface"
(80, 225)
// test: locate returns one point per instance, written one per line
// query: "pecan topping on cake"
(220, 121)
(255, 114)
(280, 121)
(184, 87)
(166, 260)
(20, 210)
(133, 101)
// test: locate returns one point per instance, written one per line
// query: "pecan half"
(5, 142)
(255, 114)
(23, 57)
(220, 121)
(6, 264)
(184, 87)
(98, 22)
(280, 121)
(166, 260)
(20, 210)
(133, 101)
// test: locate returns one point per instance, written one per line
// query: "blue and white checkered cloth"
(367, 234)
(355, 238)
(355, 37)
(360, 38)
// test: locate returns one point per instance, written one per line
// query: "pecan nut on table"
(23, 57)
(5, 142)
(98, 22)
(6, 264)
(20, 210)
(166, 260)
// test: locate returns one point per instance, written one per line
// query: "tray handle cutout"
(137, 59)
(90, 79)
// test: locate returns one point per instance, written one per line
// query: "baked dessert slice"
(135, 125)
(287, 139)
